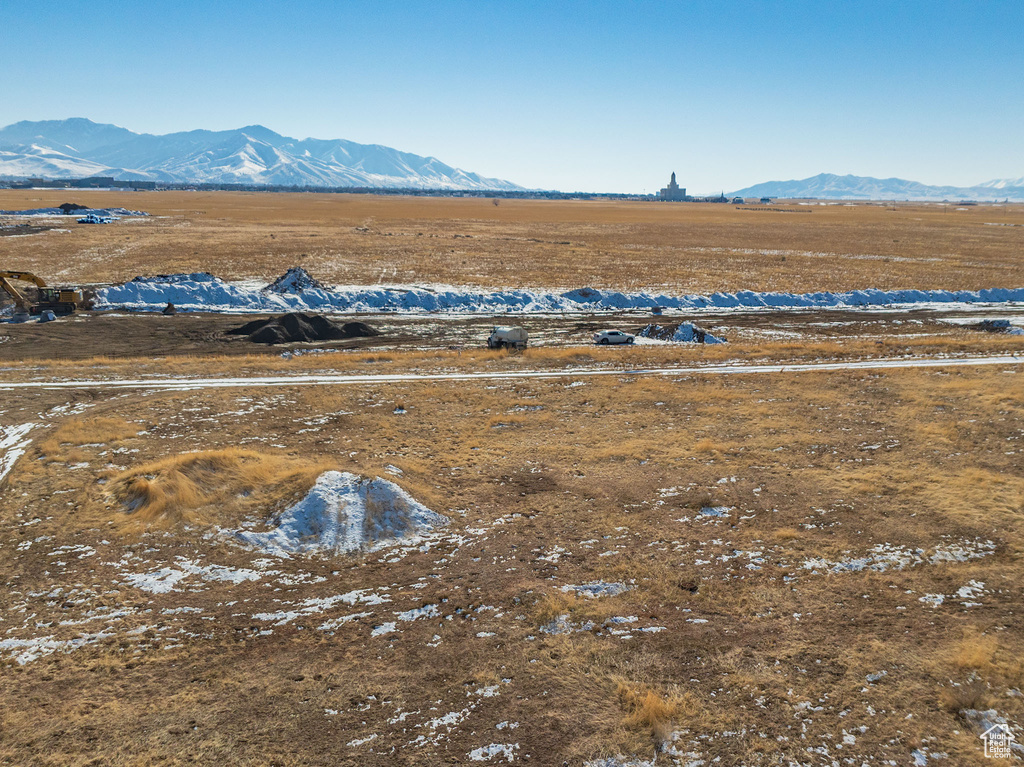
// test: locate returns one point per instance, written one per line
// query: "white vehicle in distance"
(507, 338)
(612, 337)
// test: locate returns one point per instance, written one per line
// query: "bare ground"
(141, 335)
(548, 485)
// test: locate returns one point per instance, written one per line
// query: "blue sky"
(605, 96)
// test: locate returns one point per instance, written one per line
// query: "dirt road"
(186, 384)
(119, 334)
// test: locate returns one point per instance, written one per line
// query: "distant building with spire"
(672, 192)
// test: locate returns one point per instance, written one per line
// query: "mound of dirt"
(344, 513)
(685, 332)
(295, 280)
(295, 327)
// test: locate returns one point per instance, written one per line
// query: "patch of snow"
(158, 581)
(716, 511)
(450, 719)
(338, 622)
(972, 591)
(361, 741)
(500, 750)
(427, 611)
(886, 556)
(598, 589)
(165, 579)
(23, 651)
(13, 445)
(619, 761)
(384, 628)
(318, 605)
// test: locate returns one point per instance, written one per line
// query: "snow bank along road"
(296, 291)
(185, 384)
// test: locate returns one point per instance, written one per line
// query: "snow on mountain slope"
(77, 134)
(831, 186)
(1004, 183)
(250, 155)
(32, 160)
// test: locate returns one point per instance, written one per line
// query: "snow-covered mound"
(202, 292)
(685, 332)
(343, 513)
(103, 212)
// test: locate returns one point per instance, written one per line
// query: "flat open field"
(654, 554)
(823, 561)
(684, 248)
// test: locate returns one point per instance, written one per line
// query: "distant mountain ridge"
(78, 148)
(829, 186)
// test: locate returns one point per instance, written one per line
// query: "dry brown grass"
(682, 248)
(705, 445)
(655, 711)
(784, 653)
(786, 534)
(972, 693)
(215, 486)
(975, 652)
(61, 444)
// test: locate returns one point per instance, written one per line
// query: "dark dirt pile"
(294, 327)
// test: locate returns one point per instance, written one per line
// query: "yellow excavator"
(57, 300)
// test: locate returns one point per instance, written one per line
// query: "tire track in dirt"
(187, 384)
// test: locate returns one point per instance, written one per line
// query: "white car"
(612, 337)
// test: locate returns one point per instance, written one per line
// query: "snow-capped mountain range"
(830, 186)
(79, 148)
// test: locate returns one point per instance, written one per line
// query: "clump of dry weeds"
(653, 711)
(206, 487)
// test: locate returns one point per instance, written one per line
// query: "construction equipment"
(57, 300)
(513, 339)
